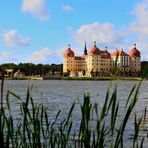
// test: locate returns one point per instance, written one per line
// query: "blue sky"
(38, 31)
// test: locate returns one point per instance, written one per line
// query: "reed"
(99, 127)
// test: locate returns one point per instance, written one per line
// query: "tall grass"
(99, 127)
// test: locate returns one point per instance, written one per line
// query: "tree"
(32, 69)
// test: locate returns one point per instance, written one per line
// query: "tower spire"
(94, 43)
(85, 49)
(106, 48)
(69, 46)
(134, 45)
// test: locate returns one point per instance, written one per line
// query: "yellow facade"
(99, 61)
(135, 64)
(123, 63)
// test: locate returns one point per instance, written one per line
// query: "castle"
(96, 61)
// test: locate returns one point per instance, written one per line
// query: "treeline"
(33, 69)
(144, 66)
(44, 69)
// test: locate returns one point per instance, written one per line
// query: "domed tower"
(68, 60)
(135, 59)
(68, 52)
(94, 58)
(94, 50)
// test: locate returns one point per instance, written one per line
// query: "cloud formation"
(6, 54)
(102, 33)
(40, 56)
(140, 24)
(36, 8)
(13, 38)
(7, 57)
(139, 27)
(67, 8)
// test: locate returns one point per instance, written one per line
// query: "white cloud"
(67, 8)
(7, 57)
(39, 56)
(103, 33)
(140, 24)
(6, 54)
(13, 38)
(139, 27)
(142, 47)
(36, 8)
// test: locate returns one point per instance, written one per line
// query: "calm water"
(57, 94)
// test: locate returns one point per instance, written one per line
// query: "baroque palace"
(95, 62)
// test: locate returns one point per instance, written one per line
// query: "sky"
(38, 31)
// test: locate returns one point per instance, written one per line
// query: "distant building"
(19, 74)
(96, 61)
(8, 72)
(135, 60)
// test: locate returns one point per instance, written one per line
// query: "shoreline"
(75, 78)
(106, 78)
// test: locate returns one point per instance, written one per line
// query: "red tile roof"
(94, 51)
(105, 54)
(69, 53)
(119, 53)
(134, 52)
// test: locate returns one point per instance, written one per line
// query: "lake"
(60, 94)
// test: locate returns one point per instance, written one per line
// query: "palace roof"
(134, 52)
(94, 50)
(69, 52)
(118, 53)
(105, 54)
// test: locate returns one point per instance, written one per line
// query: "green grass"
(102, 78)
(98, 128)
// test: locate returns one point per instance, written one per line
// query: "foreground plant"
(99, 127)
